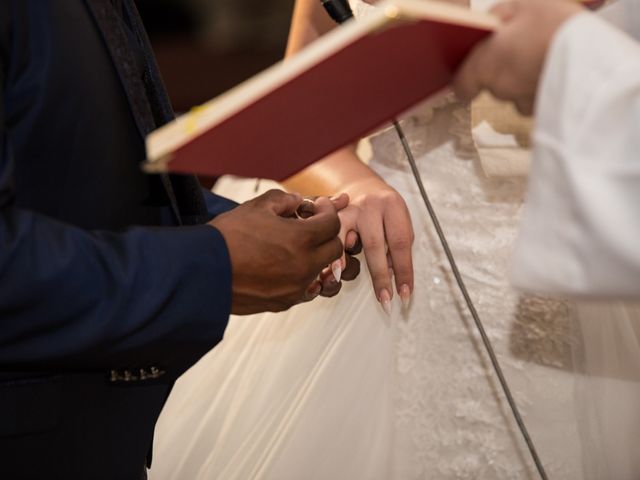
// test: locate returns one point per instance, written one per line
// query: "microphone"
(338, 10)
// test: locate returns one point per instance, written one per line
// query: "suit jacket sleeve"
(581, 225)
(217, 204)
(71, 298)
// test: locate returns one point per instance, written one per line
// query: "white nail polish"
(385, 301)
(405, 296)
(336, 268)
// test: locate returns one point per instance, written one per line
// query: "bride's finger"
(372, 236)
(399, 235)
(348, 222)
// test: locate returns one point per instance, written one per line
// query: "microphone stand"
(340, 11)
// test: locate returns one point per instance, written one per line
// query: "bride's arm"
(377, 212)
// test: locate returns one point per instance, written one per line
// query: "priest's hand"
(510, 62)
(276, 257)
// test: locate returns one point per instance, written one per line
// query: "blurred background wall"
(205, 47)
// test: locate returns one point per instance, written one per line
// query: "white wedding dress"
(335, 389)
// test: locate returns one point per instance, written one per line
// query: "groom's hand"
(275, 257)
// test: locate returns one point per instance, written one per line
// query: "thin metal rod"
(470, 305)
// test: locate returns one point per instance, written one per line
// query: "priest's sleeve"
(580, 234)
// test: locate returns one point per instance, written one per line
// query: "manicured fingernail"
(336, 268)
(385, 301)
(405, 296)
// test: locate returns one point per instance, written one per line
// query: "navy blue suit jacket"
(104, 299)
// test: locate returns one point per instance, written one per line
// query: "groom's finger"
(324, 225)
(352, 243)
(352, 270)
(330, 287)
(325, 254)
(279, 202)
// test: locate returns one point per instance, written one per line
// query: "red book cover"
(366, 77)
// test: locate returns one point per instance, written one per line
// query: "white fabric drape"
(608, 389)
(284, 396)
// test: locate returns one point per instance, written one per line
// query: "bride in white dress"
(338, 389)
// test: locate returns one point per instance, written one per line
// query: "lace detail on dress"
(432, 123)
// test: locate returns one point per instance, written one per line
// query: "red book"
(329, 95)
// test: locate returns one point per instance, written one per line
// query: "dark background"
(205, 47)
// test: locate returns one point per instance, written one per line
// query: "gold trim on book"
(392, 12)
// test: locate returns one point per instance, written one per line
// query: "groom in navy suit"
(113, 283)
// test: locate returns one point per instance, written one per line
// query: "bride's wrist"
(366, 186)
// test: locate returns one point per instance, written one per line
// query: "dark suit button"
(156, 372)
(139, 374)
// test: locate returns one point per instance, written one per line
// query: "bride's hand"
(379, 215)
(329, 282)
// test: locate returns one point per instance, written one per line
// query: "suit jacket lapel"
(117, 43)
(184, 192)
